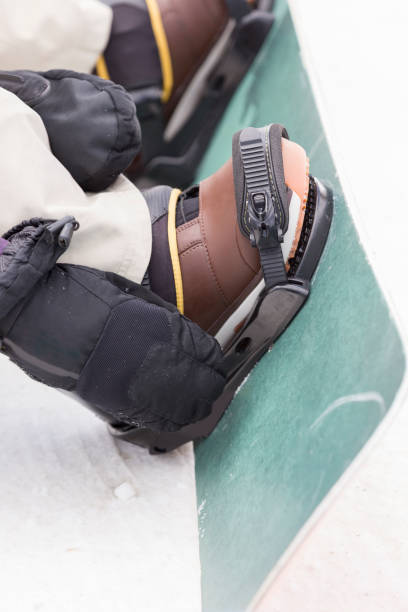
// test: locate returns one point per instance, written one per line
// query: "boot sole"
(271, 314)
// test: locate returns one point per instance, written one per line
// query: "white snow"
(88, 522)
(125, 491)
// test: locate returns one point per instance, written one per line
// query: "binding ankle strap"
(264, 188)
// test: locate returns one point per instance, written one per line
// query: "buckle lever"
(64, 228)
(265, 231)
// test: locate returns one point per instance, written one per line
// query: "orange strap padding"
(296, 168)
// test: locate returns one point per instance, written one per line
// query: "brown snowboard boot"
(237, 253)
(259, 222)
(181, 60)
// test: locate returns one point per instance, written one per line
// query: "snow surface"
(88, 522)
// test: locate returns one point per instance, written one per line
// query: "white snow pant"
(45, 34)
(115, 233)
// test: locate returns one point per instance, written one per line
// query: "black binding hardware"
(64, 228)
(238, 8)
(261, 199)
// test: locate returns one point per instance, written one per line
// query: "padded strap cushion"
(276, 133)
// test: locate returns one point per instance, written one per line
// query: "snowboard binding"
(263, 217)
(174, 143)
(158, 378)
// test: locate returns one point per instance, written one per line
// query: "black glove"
(119, 348)
(91, 123)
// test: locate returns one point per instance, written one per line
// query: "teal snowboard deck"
(315, 399)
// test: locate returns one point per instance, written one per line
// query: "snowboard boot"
(237, 253)
(181, 61)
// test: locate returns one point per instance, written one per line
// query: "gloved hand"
(119, 348)
(91, 123)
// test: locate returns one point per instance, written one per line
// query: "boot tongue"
(296, 167)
